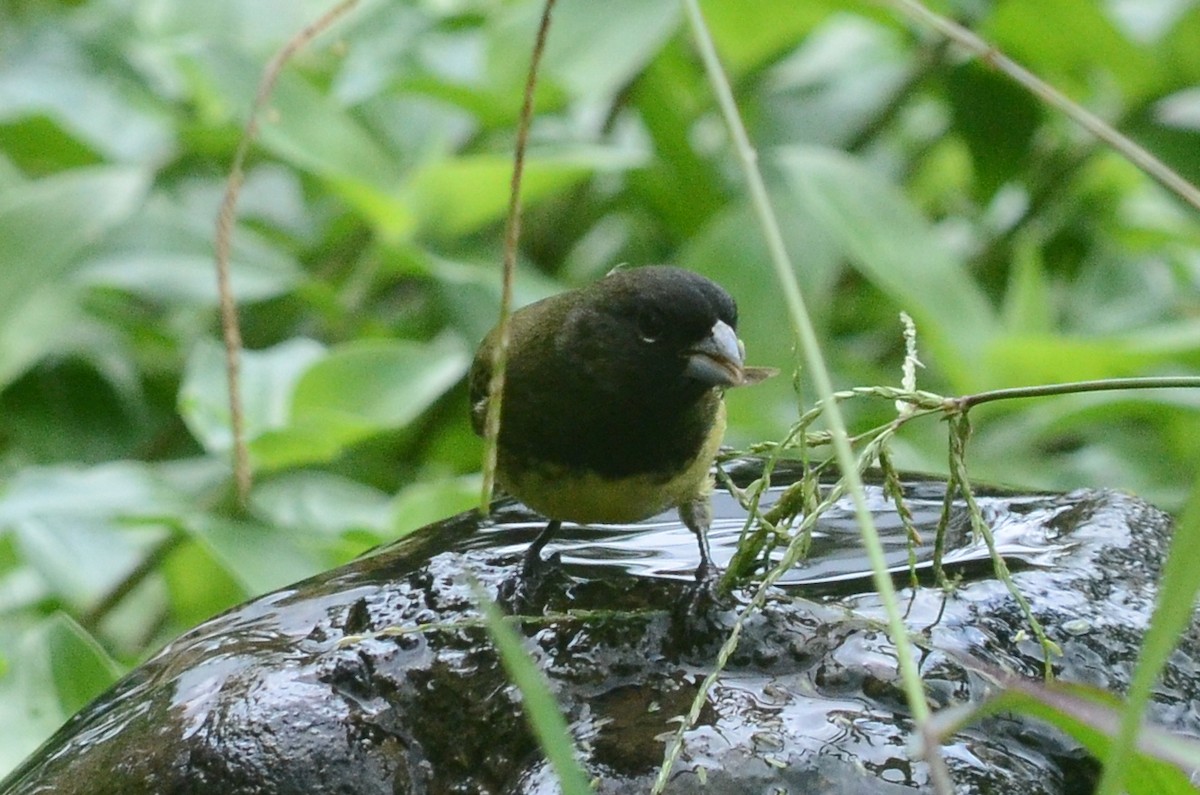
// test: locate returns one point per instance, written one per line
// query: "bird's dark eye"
(652, 326)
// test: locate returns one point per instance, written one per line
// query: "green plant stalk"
(802, 324)
(939, 533)
(926, 403)
(790, 556)
(751, 542)
(739, 564)
(1172, 612)
(795, 550)
(960, 430)
(541, 710)
(1074, 387)
(893, 488)
(1053, 97)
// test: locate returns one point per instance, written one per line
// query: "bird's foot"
(700, 617)
(525, 590)
(534, 567)
(704, 595)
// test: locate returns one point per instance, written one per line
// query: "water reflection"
(661, 547)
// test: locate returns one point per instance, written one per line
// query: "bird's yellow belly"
(573, 496)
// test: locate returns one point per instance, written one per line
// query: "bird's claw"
(521, 591)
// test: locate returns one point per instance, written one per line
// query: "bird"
(613, 407)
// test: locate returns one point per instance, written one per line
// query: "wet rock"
(297, 692)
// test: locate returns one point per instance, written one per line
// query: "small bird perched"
(613, 404)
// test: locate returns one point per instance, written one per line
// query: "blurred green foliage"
(367, 249)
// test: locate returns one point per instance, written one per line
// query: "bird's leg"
(518, 593)
(533, 555)
(697, 616)
(697, 515)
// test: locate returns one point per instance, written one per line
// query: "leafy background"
(366, 260)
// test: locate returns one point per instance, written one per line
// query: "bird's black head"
(656, 329)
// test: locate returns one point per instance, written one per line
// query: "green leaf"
(299, 445)
(323, 506)
(680, 187)
(889, 242)
(306, 127)
(49, 321)
(358, 390)
(29, 708)
(80, 558)
(1026, 359)
(199, 584)
(997, 119)
(57, 108)
(181, 277)
(91, 420)
(1170, 128)
(469, 295)
(260, 557)
(745, 43)
(46, 224)
(81, 668)
(423, 503)
(595, 49)
(56, 668)
(835, 86)
(1021, 359)
(1068, 42)
(83, 530)
(268, 378)
(1027, 305)
(1161, 765)
(165, 253)
(378, 384)
(321, 503)
(42, 147)
(456, 196)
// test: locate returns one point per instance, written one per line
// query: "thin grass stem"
(991, 56)
(223, 243)
(815, 360)
(512, 236)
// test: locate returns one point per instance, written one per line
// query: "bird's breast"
(580, 493)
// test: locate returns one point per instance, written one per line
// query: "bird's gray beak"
(717, 359)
